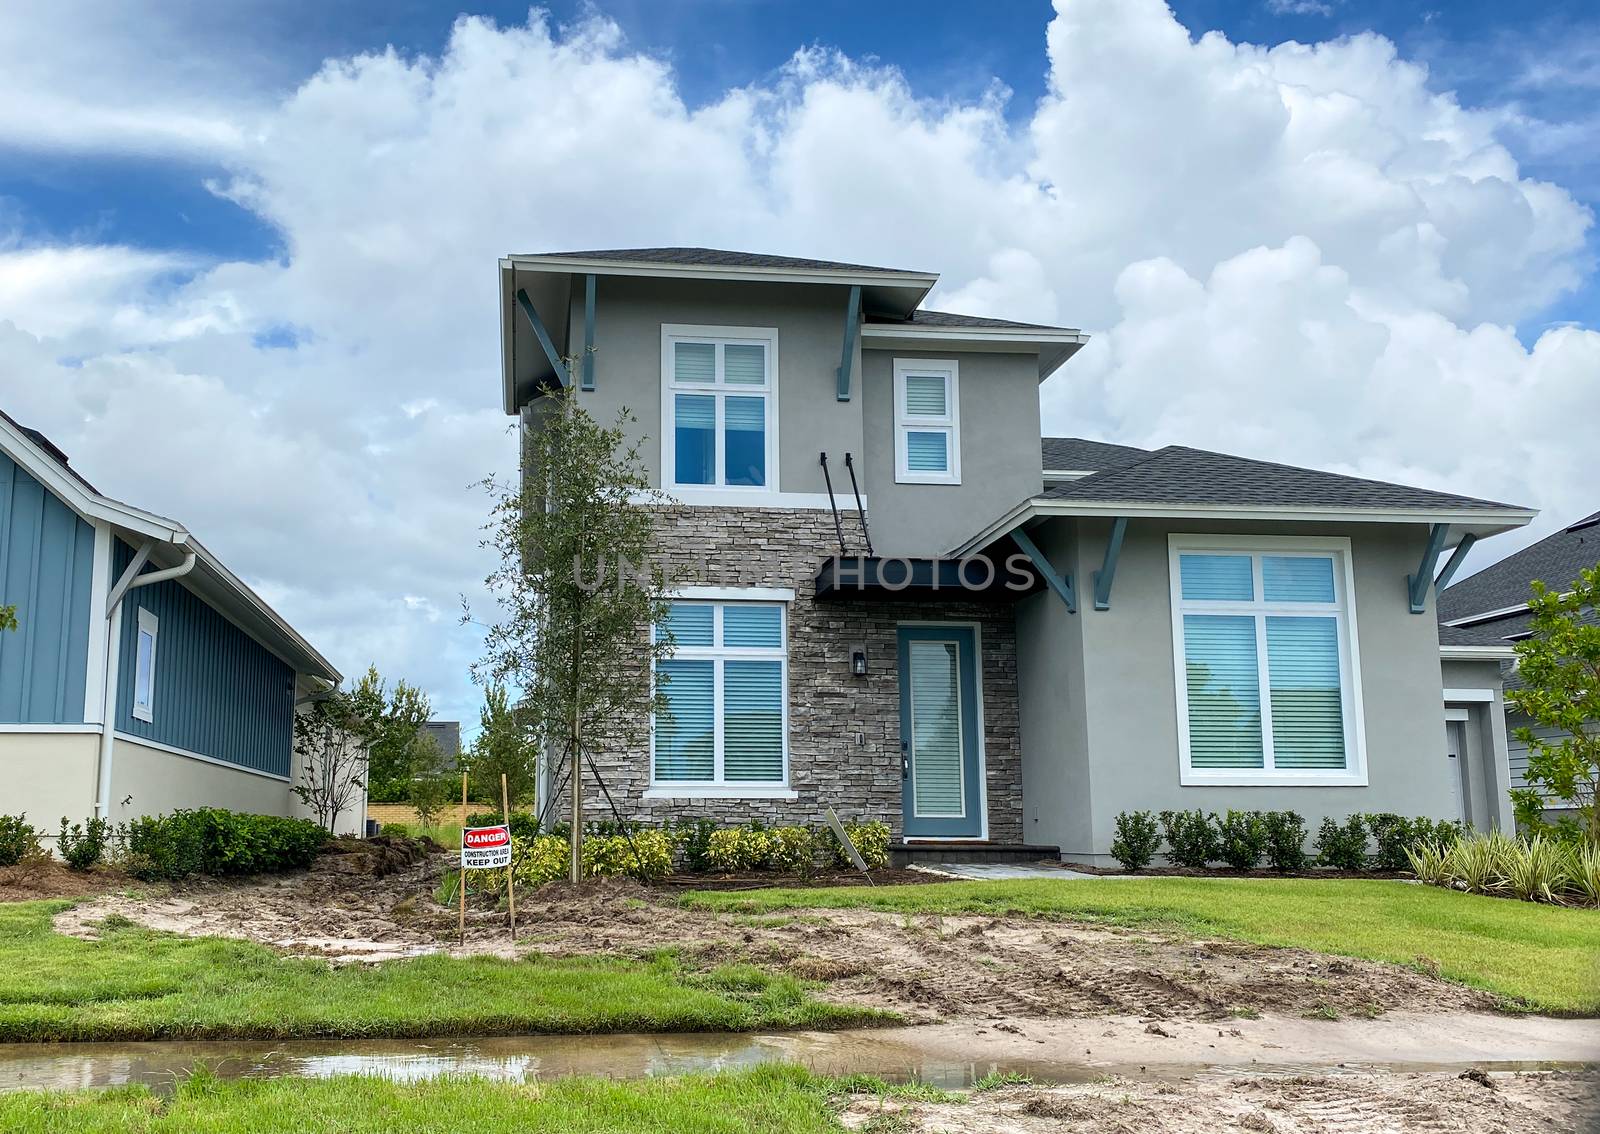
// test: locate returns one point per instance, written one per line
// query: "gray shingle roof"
(1078, 454)
(1555, 560)
(723, 258)
(1492, 633)
(924, 318)
(1180, 475)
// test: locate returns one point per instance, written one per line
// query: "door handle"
(905, 760)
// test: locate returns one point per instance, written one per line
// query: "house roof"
(717, 258)
(1555, 560)
(210, 578)
(1079, 454)
(922, 317)
(1178, 481)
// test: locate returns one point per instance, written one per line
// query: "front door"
(1455, 735)
(941, 774)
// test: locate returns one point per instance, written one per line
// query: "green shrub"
(1241, 838)
(18, 839)
(399, 830)
(739, 848)
(1343, 845)
(1286, 841)
(83, 844)
(1137, 839)
(643, 854)
(792, 850)
(540, 859)
(1191, 839)
(214, 841)
(693, 837)
(871, 839)
(1391, 835)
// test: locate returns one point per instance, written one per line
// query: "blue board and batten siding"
(46, 570)
(218, 692)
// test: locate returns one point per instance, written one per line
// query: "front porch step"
(934, 852)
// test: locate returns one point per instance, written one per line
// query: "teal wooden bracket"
(1419, 583)
(587, 381)
(1104, 577)
(1062, 586)
(1454, 563)
(544, 338)
(852, 317)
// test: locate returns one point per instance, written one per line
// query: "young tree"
(432, 785)
(1560, 671)
(574, 540)
(393, 721)
(332, 738)
(502, 747)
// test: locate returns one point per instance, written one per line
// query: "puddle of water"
(527, 1058)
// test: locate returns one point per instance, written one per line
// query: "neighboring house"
(144, 675)
(1489, 611)
(1011, 639)
(447, 735)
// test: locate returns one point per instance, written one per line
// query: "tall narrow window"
(719, 384)
(144, 666)
(927, 432)
(1267, 681)
(724, 686)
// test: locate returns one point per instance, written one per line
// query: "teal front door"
(941, 789)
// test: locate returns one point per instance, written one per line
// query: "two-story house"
(906, 604)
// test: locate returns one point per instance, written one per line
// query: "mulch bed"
(42, 877)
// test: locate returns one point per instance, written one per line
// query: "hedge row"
(207, 840)
(1242, 839)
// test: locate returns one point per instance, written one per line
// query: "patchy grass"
(776, 1099)
(1536, 956)
(136, 984)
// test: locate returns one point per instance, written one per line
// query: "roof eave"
(1476, 653)
(1055, 347)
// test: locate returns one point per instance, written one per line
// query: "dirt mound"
(47, 878)
(1353, 1102)
(376, 857)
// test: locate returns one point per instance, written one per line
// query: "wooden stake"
(463, 864)
(511, 866)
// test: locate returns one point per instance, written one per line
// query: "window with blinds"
(724, 721)
(927, 436)
(1266, 690)
(719, 387)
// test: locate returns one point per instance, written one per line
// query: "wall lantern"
(858, 660)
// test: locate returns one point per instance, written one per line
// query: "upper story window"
(1268, 681)
(719, 406)
(144, 666)
(927, 421)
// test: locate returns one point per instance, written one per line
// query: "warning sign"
(485, 848)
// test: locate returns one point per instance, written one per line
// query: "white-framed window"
(144, 666)
(927, 421)
(719, 407)
(726, 719)
(1268, 675)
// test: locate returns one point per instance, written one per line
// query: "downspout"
(108, 710)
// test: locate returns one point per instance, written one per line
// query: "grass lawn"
(1544, 957)
(136, 984)
(780, 1100)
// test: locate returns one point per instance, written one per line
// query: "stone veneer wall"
(844, 731)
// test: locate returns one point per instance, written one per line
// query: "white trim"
(948, 423)
(172, 750)
(1342, 610)
(1456, 713)
(1501, 519)
(719, 337)
(1468, 695)
(151, 625)
(608, 267)
(696, 791)
(1477, 653)
(718, 654)
(701, 497)
(1489, 615)
(894, 334)
(1068, 474)
(23, 729)
(733, 594)
(94, 684)
(983, 756)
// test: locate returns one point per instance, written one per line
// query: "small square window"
(927, 433)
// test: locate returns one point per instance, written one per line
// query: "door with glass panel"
(941, 788)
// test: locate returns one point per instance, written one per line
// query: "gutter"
(130, 580)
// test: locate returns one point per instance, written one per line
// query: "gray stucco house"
(901, 602)
(1489, 611)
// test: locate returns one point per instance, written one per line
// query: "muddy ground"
(1342, 1103)
(926, 967)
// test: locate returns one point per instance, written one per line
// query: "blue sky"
(944, 50)
(283, 270)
